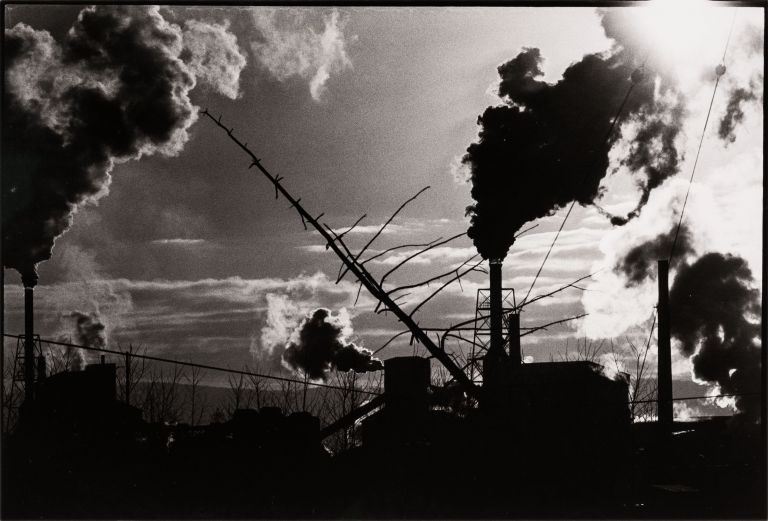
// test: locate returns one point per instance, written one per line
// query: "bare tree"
(197, 402)
(11, 397)
(162, 400)
(642, 389)
(350, 393)
(587, 350)
(129, 379)
(239, 395)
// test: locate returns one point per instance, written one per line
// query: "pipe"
(665, 351)
(513, 326)
(29, 280)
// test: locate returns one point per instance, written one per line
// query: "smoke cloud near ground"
(80, 328)
(116, 88)
(546, 145)
(320, 343)
(715, 312)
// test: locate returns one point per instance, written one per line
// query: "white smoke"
(282, 317)
(289, 46)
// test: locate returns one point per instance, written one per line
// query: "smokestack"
(514, 339)
(665, 352)
(493, 361)
(29, 280)
(497, 335)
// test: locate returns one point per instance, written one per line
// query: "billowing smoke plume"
(546, 145)
(320, 344)
(115, 89)
(715, 315)
(639, 263)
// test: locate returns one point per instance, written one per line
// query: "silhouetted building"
(83, 405)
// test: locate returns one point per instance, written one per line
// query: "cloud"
(211, 51)
(179, 242)
(288, 46)
(440, 254)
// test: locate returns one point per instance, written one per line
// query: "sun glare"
(677, 31)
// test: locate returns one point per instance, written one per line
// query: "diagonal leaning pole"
(359, 271)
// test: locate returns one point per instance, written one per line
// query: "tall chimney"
(493, 361)
(497, 334)
(665, 351)
(515, 355)
(29, 280)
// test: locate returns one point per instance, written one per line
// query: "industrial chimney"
(29, 280)
(665, 352)
(497, 335)
(494, 359)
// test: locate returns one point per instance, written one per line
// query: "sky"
(182, 249)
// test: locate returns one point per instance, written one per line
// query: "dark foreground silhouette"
(556, 443)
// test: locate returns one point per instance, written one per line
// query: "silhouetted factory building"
(82, 405)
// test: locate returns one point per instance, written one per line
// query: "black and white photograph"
(383, 261)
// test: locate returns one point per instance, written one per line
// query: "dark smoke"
(114, 89)
(321, 346)
(639, 263)
(711, 303)
(545, 146)
(734, 113)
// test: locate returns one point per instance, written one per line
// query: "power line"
(193, 364)
(719, 71)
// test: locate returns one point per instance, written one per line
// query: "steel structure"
(482, 335)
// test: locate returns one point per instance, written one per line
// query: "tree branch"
(355, 258)
(410, 257)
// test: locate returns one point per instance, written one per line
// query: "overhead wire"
(719, 71)
(193, 364)
(573, 203)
